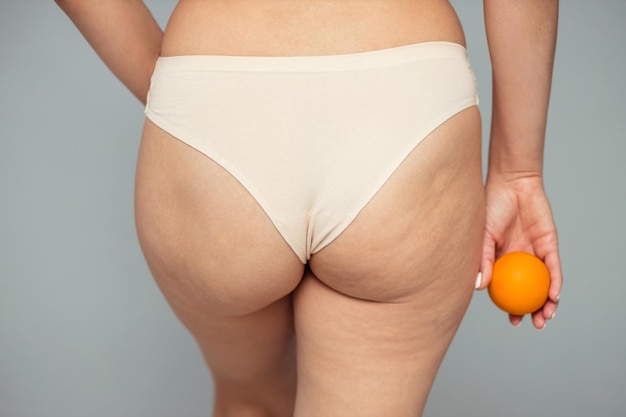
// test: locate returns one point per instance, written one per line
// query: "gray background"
(84, 331)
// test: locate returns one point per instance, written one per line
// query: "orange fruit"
(520, 283)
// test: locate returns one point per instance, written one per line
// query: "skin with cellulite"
(361, 328)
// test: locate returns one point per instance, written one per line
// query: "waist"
(312, 27)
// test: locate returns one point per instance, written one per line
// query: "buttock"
(311, 138)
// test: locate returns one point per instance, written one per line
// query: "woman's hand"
(519, 218)
(522, 41)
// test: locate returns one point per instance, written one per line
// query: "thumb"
(486, 263)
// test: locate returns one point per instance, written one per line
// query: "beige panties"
(312, 138)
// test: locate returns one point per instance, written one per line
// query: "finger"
(549, 310)
(487, 260)
(538, 320)
(553, 262)
(515, 320)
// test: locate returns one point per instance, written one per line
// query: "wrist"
(515, 153)
(505, 169)
(519, 181)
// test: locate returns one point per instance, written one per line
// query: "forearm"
(522, 38)
(123, 33)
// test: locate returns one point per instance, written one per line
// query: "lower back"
(311, 27)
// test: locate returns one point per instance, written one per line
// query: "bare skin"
(363, 327)
(417, 273)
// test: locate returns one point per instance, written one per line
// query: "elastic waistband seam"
(397, 55)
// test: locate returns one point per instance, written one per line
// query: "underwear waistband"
(313, 63)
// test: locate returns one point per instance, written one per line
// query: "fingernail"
(543, 327)
(552, 316)
(479, 280)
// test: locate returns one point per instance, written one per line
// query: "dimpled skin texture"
(520, 283)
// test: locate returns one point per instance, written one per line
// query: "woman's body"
(362, 328)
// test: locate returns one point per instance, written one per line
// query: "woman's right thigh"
(380, 305)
